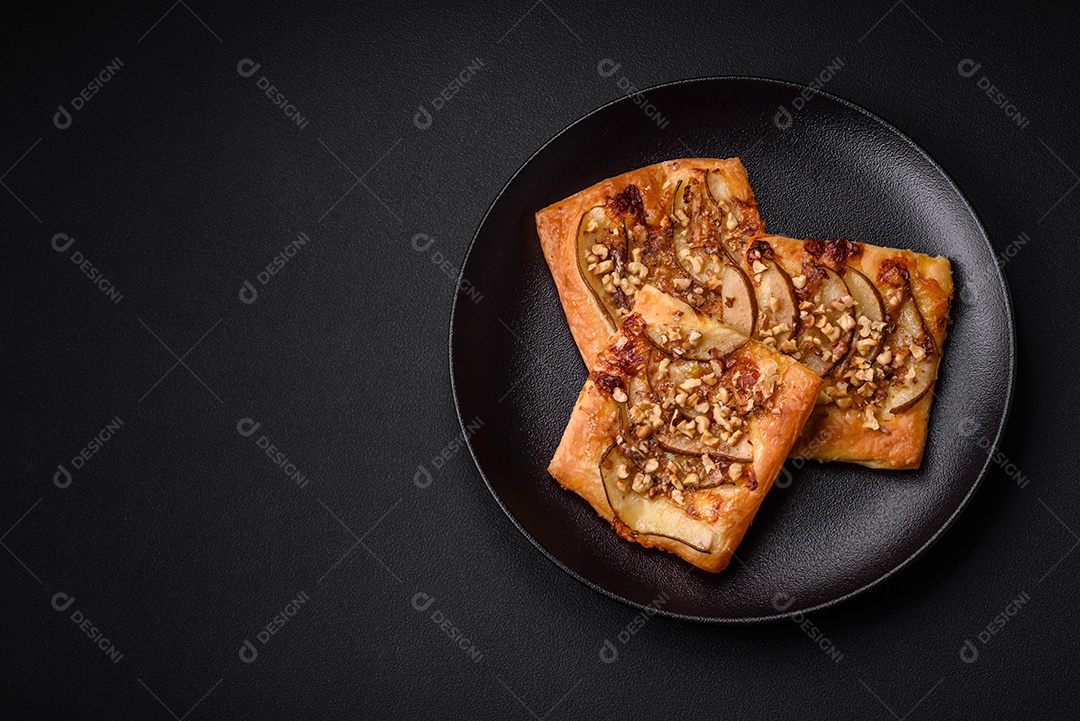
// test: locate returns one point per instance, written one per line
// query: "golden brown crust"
(833, 434)
(595, 423)
(557, 226)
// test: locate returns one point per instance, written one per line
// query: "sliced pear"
(716, 341)
(677, 371)
(632, 241)
(696, 224)
(740, 303)
(709, 302)
(911, 333)
(684, 332)
(679, 201)
(777, 303)
(697, 231)
(596, 228)
(705, 264)
(682, 210)
(692, 464)
(651, 516)
(730, 216)
(702, 263)
(718, 188)
(676, 442)
(638, 391)
(681, 214)
(868, 300)
(671, 439)
(711, 476)
(814, 342)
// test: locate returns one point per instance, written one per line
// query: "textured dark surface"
(826, 531)
(180, 539)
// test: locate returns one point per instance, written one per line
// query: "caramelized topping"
(833, 253)
(869, 342)
(629, 202)
(686, 423)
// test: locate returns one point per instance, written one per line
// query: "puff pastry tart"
(681, 226)
(681, 428)
(872, 321)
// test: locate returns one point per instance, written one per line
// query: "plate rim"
(780, 615)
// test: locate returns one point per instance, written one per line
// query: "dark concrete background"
(180, 539)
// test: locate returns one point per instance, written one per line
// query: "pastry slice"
(681, 428)
(681, 226)
(872, 322)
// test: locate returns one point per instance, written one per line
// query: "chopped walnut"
(641, 482)
(865, 345)
(871, 421)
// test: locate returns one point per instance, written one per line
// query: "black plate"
(834, 530)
